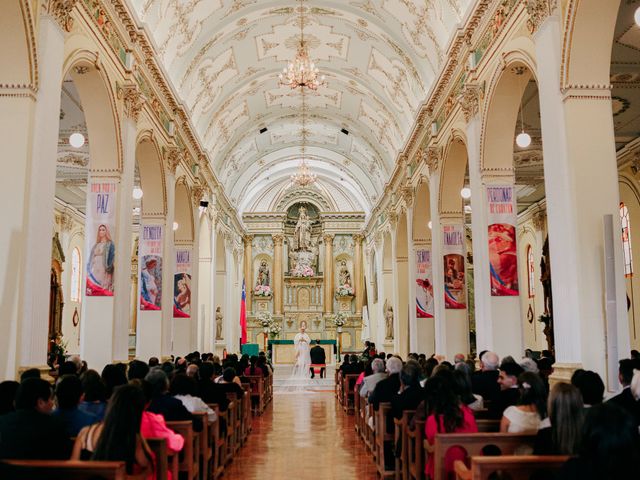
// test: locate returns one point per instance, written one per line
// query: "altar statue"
(263, 274)
(343, 275)
(301, 343)
(388, 320)
(219, 319)
(302, 234)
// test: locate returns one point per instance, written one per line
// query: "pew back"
(62, 469)
(514, 467)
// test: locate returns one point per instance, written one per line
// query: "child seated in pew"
(445, 414)
(118, 437)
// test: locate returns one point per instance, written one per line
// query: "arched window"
(626, 240)
(76, 275)
(531, 272)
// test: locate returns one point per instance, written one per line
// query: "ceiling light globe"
(523, 140)
(636, 16)
(76, 140)
(430, 225)
(465, 193)
(137, 193)
(175, 226)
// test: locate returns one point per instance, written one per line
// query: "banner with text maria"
(503, 258)
(182, 285)
(455, 291)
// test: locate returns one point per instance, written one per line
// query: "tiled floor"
(303, 434)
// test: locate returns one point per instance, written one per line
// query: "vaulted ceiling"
(380, 58)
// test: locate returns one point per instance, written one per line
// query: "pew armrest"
(461, 470)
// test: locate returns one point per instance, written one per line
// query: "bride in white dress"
(301, 343)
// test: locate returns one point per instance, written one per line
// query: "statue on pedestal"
(219, 319)
(388, 320)
(302, 234)
(263, 274)
(343, 275)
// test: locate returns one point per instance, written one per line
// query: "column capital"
(406, 193)
(433, 156)
(328, 238)
(278, 239)
(61, 11)
(469, 101)
(248, 239)
(198, 191)
(538, 11)
(173, 156)
(358, 238)
(133, 101)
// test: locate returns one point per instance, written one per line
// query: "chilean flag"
(243, 315)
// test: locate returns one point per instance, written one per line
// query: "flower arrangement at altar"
(274, 329)
(344, 291)
(262, 291)
(340, 319)
(302, 271)
(265, 319)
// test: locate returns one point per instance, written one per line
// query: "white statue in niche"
(343, 274)
(302, 234)
(388, 320)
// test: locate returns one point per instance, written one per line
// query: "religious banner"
(150, 252)
(101, 216)
(455, 295)
(503, 259)
(424, 284)
(182, 285)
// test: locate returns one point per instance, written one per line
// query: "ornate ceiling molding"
(61, 11)
(538, 11)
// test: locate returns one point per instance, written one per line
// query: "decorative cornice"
(133, 101)
(173, 157)
(433, 156)
(61, 11)
(538, 11)
(469, 100)
(198, 191)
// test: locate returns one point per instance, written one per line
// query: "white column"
(122, 274)
(411, 267)
(497, 324)
(581, 184)
(166, 345)
(210, 330)
(34, 289)
(439, 311)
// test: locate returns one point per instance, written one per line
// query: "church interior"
(218, 184)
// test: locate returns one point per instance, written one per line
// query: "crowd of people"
(86, 415)
(602, 437)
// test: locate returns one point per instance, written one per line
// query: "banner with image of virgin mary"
(101, 254)
(455, 290)
(503, 256)
(182, 285)
(150, 253)
(424, 284)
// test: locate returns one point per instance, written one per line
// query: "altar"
(283, 351)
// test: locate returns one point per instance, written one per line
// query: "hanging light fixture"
(523, 140)
(137, 193)
(302, 72)
(636, 16)
(76, 140)
(465, 193)
(303, 177)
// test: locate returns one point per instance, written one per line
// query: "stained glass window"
(626, 240)
(531, 272)
(76, 273)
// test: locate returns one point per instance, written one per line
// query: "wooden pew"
(382, 436)
(358, 413)
(515, 466)
(206, 449)
(348, 385)
(165, 461)
(190, 455)
(370, 437)
(232, 430)
(257, 389)
(488, 426)
(400, 438)
(415, 451)
(62, 470)
(474, 444)
(218, 443)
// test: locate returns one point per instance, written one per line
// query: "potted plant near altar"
(344, 291)
(265, 319)
(274, 329)
(263, 291)
(339, 320)
(302, 271)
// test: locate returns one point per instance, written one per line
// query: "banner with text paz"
(503, 256)
(424, 284)
(182, 285)
(150, 252)
(101, 229)
(455, 292)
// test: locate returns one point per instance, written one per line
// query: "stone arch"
(152, 176)
(421, 214)
(304, 195)
(17, 37)
(183, 215)
(454, 169)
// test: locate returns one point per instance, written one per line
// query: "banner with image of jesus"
(424, 284)
(503, 256)
(101, 229)
(455, 290)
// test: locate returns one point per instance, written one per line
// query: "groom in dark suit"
(318, 357)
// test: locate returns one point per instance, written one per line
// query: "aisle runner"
(283, 383)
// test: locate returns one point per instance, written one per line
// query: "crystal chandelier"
(303, 177)
(302, 72)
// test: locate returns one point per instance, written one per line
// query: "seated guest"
(31, 432)
(485, 381)
(387, 388)
(345, 363)
(113, 377)
(445, 414)
(137, 370)
(625, 398)
(364, 373)
(370, 382)
(154, 362)
(118, 437)
(228, 382)
(208, 390)
(508, 384)
(318, 357)
(462, 386)
(609, 446)
(8, 390)
(253, 368)
(530, 413)
(226, 375)
(95, 394)
(192, 370)
(411, 393)
(29, 373)
(263, 362)
(566, 414)
(183, 387)
(590, 385)
(68, 394)
(164, 404)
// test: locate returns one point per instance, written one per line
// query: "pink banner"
(150, 253)
(182, 285)
(455, 291)
(424, 284)
(503, 258)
